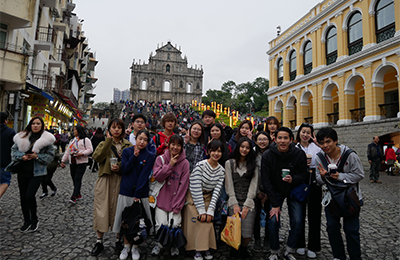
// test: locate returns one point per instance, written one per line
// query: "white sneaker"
(301, 251)
(311, 254)
(273, 257)
(157, 250)
(124, 254)
(174, 251)
(135, 253)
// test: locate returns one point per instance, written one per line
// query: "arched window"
(135, 81)
(307, 57)
(167, 86)
(168, 68)
(144, 85)
(292, 65)
(355, 35)
(153, 82)
(189, 88)
(384, 20)
(181, 84)
(197, 86)
(280, 71)
(331, 45)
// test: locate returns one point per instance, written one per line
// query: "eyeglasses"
(139, 122)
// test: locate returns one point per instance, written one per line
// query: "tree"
(219, 96)
(101, 105)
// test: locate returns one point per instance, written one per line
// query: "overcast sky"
(228, 38)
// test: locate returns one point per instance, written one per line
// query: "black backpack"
(130, 224)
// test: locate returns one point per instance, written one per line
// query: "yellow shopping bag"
(232, 232)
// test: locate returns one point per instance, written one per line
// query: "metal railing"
(389, 110)
(15, 48)
(308, 120)
(292, 123)
(357, 115)
(57, 54)
(45, 34)
(333, 118)
(42, 80)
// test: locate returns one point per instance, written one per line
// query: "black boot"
(243, 253)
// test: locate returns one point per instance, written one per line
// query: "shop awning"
(32, 89)
(66, 100)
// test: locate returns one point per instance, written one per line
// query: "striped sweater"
(204, 177)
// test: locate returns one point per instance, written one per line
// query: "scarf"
(73, 147)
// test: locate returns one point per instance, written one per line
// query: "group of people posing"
(211, 168)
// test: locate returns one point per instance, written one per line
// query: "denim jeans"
(295, 220)
(351, 226)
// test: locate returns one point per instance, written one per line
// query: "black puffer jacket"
(272, 163)
(7, 135)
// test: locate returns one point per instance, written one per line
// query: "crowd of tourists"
(205, 171)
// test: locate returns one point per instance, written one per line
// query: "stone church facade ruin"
(166, 77)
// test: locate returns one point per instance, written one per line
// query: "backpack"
(345, 201)
(135, 225)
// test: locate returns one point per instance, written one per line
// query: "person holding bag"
(172, 169)
(108, 182)
(305, 141)
(136, 165)
(204, 189)
(32, 151)
(241, 174)
(77, 155)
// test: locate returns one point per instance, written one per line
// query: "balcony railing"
(389, 110)
(357, 115)
(57, 54)
(333, 118)
(15, 48)
(42, 80)
(308, 120)
(355, 46)
(45, 34)
(293, 75)
(293, 124)
(385, 33)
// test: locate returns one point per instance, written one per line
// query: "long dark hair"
(238, 135)
(81, 131)
(28, 128)
(250, 157)
(258, 150)
(99, 133)
(222, 138)
(298, 140)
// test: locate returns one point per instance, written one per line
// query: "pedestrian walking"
(97, 138)
(77, 154)
(64, 139)
(6, 139)
(32, 150)
(390, 158)
(47, 180)
(375, 158)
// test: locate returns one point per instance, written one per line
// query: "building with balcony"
(338, 65)
(166, 77)
(41, 45)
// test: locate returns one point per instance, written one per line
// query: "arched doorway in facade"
(306, 107)
(330, 107)
(291, 111)
(386, 79)
(278, 109)
(354, 98)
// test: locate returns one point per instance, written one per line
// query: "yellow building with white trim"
(338, 65)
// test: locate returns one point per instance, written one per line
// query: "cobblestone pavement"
(65, 231)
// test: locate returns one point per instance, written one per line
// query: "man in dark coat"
(7, 135)
(283, 168)
(375, 158)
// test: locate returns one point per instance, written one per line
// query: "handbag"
(232, 232)
(135, 224)
(345, 201)
(300, 193)
(22, 166)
